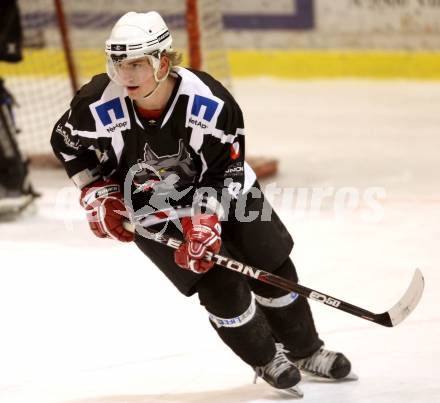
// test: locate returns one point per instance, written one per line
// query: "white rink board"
(379, 16)
(86, 320)
(347, 24)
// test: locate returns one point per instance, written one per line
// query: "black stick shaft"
(280, 282)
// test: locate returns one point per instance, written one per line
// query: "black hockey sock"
(253, 342)
(236, 316)
(288, 315)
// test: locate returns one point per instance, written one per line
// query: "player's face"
(136, 76)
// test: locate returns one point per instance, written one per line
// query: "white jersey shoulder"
(203, 109)
(110, 111)
(203, 106)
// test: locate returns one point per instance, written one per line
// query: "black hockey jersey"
(197, 144)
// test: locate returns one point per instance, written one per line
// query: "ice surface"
(90, 320)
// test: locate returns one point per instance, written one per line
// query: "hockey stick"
(390, 318)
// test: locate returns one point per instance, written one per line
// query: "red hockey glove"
(201, 234)
(106, 211)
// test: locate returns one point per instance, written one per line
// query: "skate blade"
(351, 377)
(316, 378)
(294, 391)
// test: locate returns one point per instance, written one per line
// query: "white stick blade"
(409, 300)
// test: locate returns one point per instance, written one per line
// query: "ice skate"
(280, 373)
(327, 364)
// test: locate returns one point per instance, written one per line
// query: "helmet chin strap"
(151, 93)
(159, 81)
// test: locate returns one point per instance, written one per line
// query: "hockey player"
(15, 190)
(149, 125)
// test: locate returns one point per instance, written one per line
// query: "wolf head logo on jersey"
(177, 168)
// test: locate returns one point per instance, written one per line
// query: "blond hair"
(174, 56)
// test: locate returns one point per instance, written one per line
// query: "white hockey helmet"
(138, 34)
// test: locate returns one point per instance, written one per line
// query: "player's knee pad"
(235, 321)
(277, 302)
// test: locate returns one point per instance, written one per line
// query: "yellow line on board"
(249, 63)
(336, 64)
